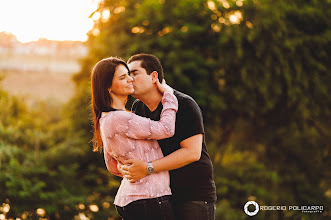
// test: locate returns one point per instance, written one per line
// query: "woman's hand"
(163, 87)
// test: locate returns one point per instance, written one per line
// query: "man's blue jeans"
(194, 210)
(147, 209)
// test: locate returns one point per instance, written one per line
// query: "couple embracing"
(162, 134)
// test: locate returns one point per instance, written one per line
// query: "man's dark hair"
(149, 62)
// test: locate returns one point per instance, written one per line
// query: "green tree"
(44, 165)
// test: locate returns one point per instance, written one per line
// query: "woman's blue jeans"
(147, 209)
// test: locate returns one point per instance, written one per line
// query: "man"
(186, 156)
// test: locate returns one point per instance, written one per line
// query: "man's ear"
(155, 76)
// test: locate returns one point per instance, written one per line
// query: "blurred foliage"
(260, 71)
(45, 164)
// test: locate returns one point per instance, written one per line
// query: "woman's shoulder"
(117, 116)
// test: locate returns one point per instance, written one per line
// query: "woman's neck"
(119, 102)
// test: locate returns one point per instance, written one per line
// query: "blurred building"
(41, 55)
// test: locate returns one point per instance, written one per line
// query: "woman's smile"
(130, 86)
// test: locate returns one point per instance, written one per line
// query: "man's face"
(142, 82)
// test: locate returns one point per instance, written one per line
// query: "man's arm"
(189, 152)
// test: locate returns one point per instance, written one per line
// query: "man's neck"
(152, 100)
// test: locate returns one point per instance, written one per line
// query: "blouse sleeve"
(138, 127)
(111, 164)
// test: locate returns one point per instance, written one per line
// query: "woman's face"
(122, 82)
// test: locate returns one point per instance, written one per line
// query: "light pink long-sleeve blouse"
(128, 136)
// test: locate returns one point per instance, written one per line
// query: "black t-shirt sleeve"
(190, 119)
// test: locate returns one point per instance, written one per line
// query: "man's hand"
(134, 169)
(120, 168)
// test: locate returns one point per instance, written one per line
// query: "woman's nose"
(130, 79)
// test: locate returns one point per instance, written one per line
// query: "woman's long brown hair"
(101, 80)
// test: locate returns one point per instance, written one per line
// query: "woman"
(123, 135)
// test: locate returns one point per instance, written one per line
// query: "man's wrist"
(150, 168)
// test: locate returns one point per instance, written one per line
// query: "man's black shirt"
(193, 182)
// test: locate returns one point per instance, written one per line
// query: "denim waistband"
(151, 200)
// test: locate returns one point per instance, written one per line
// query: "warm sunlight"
(51, 19)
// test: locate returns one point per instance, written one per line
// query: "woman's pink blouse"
(128, 136)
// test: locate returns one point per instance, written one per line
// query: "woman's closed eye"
(123, 76)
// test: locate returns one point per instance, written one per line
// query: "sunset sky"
(30, 20)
